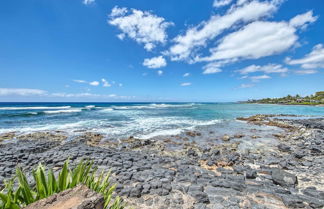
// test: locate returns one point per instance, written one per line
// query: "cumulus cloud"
(256, 40)
(212, 68)
(303, 20)
(259, 77)
(185, 84)
(116, 11)
(259, 39)
(141, 26)
(313, 60)
(305, 72)
(240, 2)
(155, 62)
(186, 45)
(87, 2)
(270, 68)
(104, 82)
(186, 74)
(21, 92)
(220, 3)
(160, 72)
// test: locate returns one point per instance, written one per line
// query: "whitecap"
(62, 111)
(90, 107)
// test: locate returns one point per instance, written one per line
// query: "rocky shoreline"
(177, 172)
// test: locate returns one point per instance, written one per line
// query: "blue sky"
(143, 50)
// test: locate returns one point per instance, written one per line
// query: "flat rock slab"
(80, 197)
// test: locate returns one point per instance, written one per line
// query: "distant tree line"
(314, 99)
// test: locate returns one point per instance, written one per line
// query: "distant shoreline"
(316, 105)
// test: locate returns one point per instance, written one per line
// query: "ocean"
(141, 120)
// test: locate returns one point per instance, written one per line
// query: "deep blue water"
(136, 119)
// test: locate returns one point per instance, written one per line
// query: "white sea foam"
(35, 108)
(67, 127)
(62, 111)
(90, 107)
(167, 132)
(153, 106)
(107, 110)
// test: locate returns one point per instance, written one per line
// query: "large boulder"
(80, 197)
(283, 178)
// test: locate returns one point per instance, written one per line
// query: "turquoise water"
(143, 120)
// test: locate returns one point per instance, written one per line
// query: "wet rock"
(53, 136)
(7, 136)
(251, 174)
(313, 192)
(283, 147)
(239, 136)
(193, 133)
(201, 197)
(299, 154)
(226, 137)
(283, 178)
(192, 153)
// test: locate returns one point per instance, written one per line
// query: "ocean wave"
(90, 107)
(62, 111)
(66, 127)
(35, 108)
(153, 106)
(167, 132)
(107, 110)
(23, 114)
(171, 105)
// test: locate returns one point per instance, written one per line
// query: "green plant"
(84, 173)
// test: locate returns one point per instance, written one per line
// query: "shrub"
(46, 185)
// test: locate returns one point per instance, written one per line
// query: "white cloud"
(105, 83)
(116, 11)
(212, 68)
(186, 74)
(159, 72)
(313, 60)
(256, 40)
(305, 72)
(240, 2)
(303, 20)
(21, 92)
(259, 39)
(220, 3)
(94, 83)
(155, 62)
(185, 84)
(259, 77)
(87, 2)
(121, 36)
(248, 85)
(141, 26)
(270, 68)
(186, 45)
